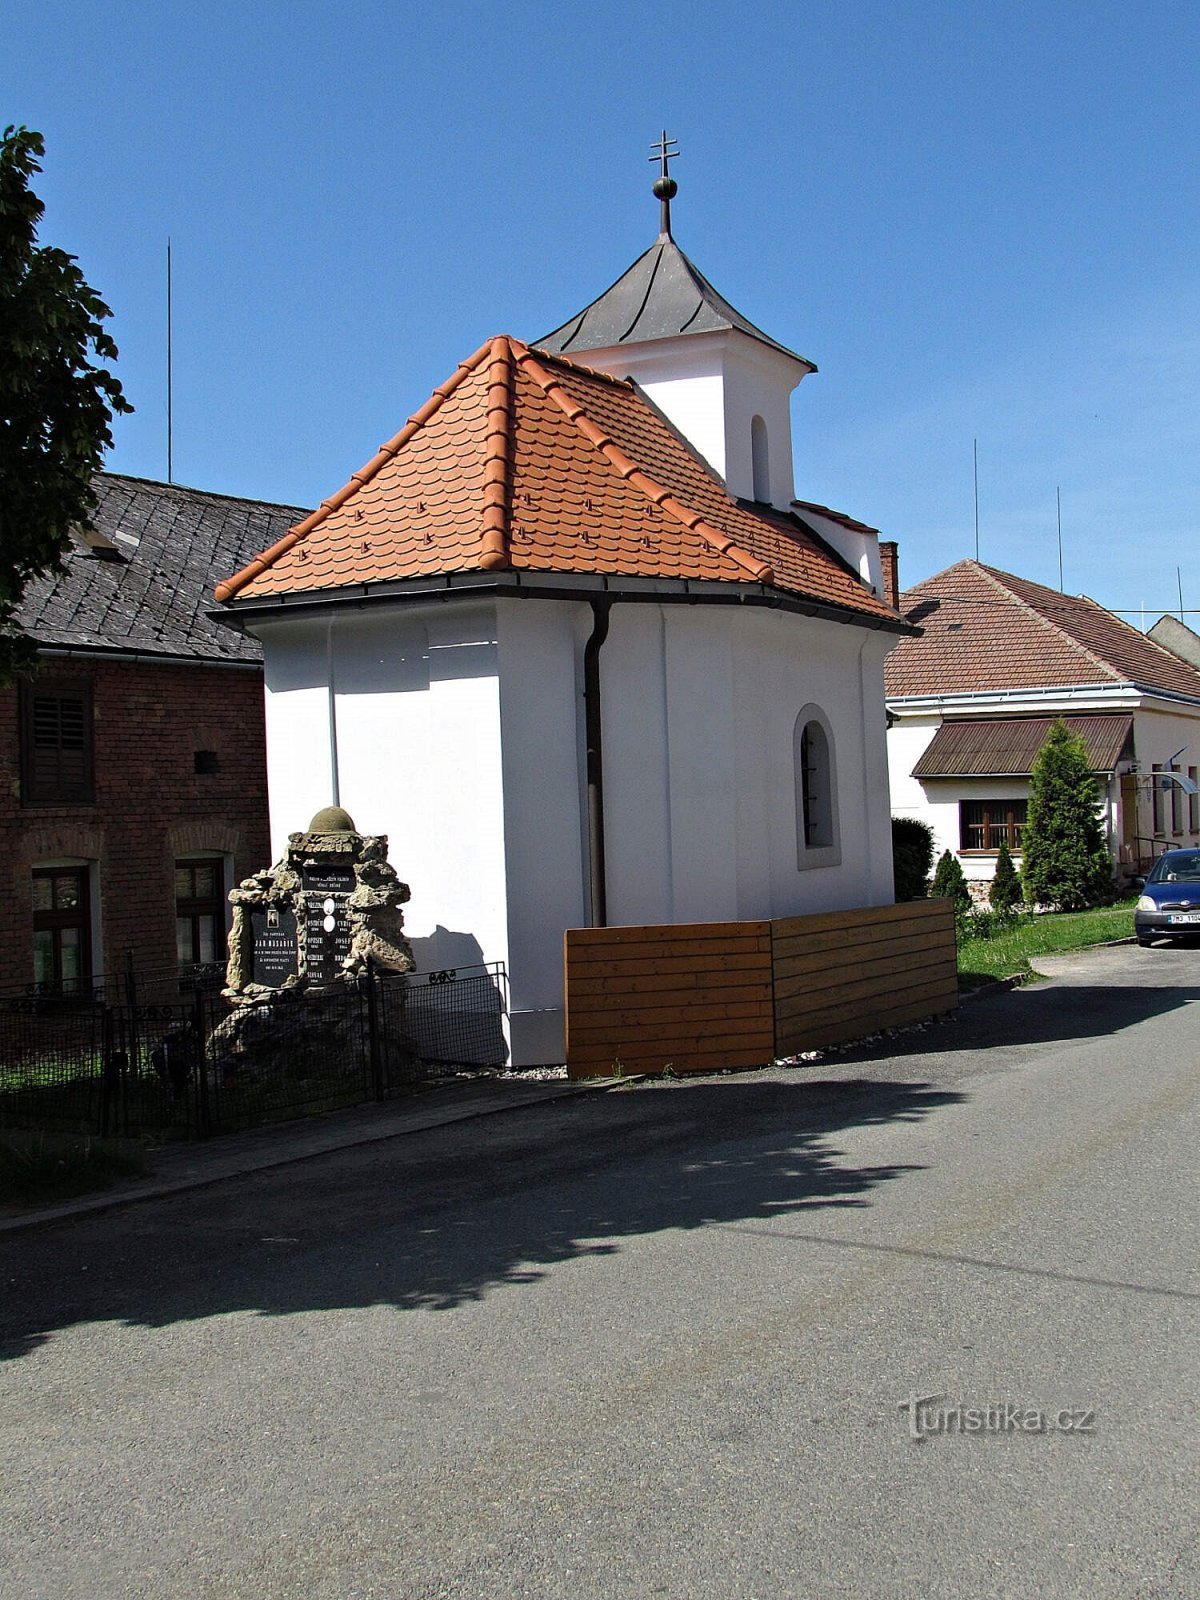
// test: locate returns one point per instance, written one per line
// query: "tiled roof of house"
(661, 296)
(986, 630)
(143, 581)
(528, 462)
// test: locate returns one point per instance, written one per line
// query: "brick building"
(132, 767)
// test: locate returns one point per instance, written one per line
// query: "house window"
(816, 791)
(1156, 807)
(199, 912)
(56, 742)
(1176, 809)
(62, 946)
(984, 825)
(1194, 802)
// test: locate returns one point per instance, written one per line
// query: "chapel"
(572, 641)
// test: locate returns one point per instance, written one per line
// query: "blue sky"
(979, 220)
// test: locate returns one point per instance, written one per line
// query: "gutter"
(540, 586)
(144, 657)
(1013, 700)
(594, 737)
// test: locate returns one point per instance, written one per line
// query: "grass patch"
(40, 1168)
(1007, 955)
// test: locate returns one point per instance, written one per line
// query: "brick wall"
(889, 555)
(151, 806)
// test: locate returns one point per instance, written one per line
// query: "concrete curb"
(240, 1164)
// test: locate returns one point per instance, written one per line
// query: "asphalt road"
(657, 1342)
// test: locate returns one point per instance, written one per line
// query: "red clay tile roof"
(834, 516)
(529, 462)
(985, 630)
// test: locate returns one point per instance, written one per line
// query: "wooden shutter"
(56, 742)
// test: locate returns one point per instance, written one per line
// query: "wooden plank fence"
(846, 974)
(695, 996)
(698, 997)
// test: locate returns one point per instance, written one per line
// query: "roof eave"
(241, 613)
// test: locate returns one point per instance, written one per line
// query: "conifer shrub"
(1006, 895)
(912, 857)
(1065, 864)
(950, 883)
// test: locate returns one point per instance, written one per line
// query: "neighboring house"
(568, 641)
(971, 700)
(1175, 635)
(134, 777)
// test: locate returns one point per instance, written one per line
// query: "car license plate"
(1179, 916)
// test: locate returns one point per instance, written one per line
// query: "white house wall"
(459, 732)
(417, 705)
(541, 708)
(699, 783)
(1160, 728)
(299, 762)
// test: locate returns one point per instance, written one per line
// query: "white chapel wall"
(299, 768)
(417, 707)
(541, 646)
(699, 710)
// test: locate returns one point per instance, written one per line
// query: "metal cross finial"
(665, 186)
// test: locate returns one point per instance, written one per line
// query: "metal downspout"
(594, 736)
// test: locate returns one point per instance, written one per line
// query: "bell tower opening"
(760, 459)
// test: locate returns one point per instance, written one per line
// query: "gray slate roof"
(661, 295)
(151, 593)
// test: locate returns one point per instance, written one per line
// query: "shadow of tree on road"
(443, 1218)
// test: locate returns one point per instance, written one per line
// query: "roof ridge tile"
(497, 458)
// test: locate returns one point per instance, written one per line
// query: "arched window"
(760, 459)
(817, 831)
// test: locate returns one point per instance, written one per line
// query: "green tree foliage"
(912, 857)
(950, 883)
(56, 402)
(1006, 893)
(1064, 860)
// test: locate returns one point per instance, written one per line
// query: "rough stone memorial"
(306, 929)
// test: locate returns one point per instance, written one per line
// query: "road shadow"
(440, 1219)
(1030, 1015)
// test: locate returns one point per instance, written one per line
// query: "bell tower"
(723, 383)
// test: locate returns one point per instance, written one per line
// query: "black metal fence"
(152, 1056)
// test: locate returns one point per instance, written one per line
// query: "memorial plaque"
(327, 936)
(275, 955)
(328, 878)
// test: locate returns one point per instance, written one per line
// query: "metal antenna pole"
(1179, 585)
(1058, 493)
(170, 478)
(975, 452)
